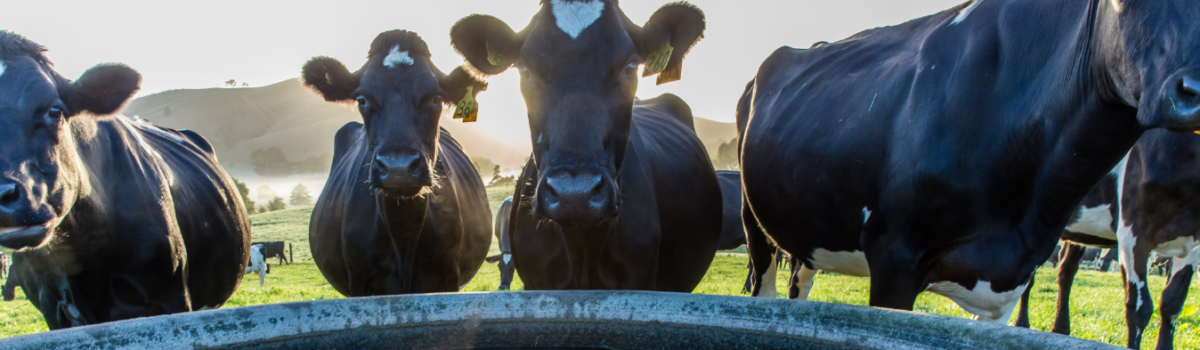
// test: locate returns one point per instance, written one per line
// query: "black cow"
(276, 250)
(732, 233)
(1160, 212)
(403, 211)
(619, 193)
(946, 154)
(13, 280)
(504, 261)
(131, 220)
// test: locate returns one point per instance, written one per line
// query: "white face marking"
(575, 16)
(768, 282)
(507, 258)
(397, 57)
(966, 12)
(804, 281)
(1095, 221)
(866, 214)
(847, 263)
(983, 301)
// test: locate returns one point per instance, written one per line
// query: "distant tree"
(315, 164)
(231, 83)
(497, 179)
(167, 111)
(262, 209)
(245, 84)
(266, 193)
(245, 192)
(300, 196)
(727, 157)
(271, 161)
(482, 165)
(276, 204)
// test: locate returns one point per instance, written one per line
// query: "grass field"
(1097, 311)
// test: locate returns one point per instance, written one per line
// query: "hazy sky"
(201, 44)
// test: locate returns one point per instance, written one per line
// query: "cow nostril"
(9, 195)
(597, 184)
(414, 166)
(1188, 89)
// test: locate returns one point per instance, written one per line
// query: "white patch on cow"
(1176, 248)
(207, 307)
(1095, 221)
(866, 214)
(507, 258)
(1125, 242)
(768, 282)
(575, 16)
(962, 15)
(257, 263)
(804, 281)
(397, 57)
(1192, 259)
(2, 67)
(847, 263)
(982, 301)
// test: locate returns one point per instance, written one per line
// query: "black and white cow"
(946, 154)
(503, 260)
(625, 189)
(115, 218)
(403, 211)
(276, 249)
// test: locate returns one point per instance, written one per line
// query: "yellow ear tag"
(493, 58)
(1197, 132)
(467, 108)
(658, 60)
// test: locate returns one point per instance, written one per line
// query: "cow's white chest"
(575, 16)
(1094, 221)
(985, 303)
(847, 263)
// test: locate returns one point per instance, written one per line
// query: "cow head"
(400, 95)
(40, 171)
(1151, 49)
(578, 62)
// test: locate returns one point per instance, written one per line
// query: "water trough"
(550, 320)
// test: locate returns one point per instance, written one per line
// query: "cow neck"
(585, 246)
(400, 222)
(1085, 141)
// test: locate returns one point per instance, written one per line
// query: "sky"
(202, 44)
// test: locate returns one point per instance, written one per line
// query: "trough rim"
(831, 324)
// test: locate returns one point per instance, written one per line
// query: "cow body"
(277, 249)
(351, 223)
(504, 260)
(945, 154)
(732, 233)
(257, 264)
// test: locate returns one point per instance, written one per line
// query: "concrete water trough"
(550, 320)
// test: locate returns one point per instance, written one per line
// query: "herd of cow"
(947, 154)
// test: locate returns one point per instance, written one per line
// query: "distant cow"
(276, 250)
(116, 218)
(504, 261)
(404, 210)
(257, 263)
(13, 280)
(619, 193)
(946, 154)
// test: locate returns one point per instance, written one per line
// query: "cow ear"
(489, 45)
(103, 89)
(667, 37)
(330, 78)
(461, 89)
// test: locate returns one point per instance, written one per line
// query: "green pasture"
(1096, 306)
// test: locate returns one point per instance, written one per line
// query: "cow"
(404, 210)
(276, 250)
(503, 260)
(3, 265)
(257, 263)
(732, 233)
(120, 218)
(620, 192)
(13, 280)
(946, 154)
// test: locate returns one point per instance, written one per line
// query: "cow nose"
(403, 171)
(577, 197)
(10, 198)
(1185, 97)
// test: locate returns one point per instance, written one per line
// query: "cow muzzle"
(402, 173)
(23, 223)
(576, 197)
(1181, 94)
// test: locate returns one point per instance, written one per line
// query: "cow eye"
(438, 99)
(56, 112)
(362, 101)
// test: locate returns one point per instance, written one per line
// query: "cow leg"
(762, 255)
(801, 283)
(1138, 305)
(1023, 312)
(1173, 297)
(1067, 268)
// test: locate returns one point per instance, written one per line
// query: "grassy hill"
(287, 115)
